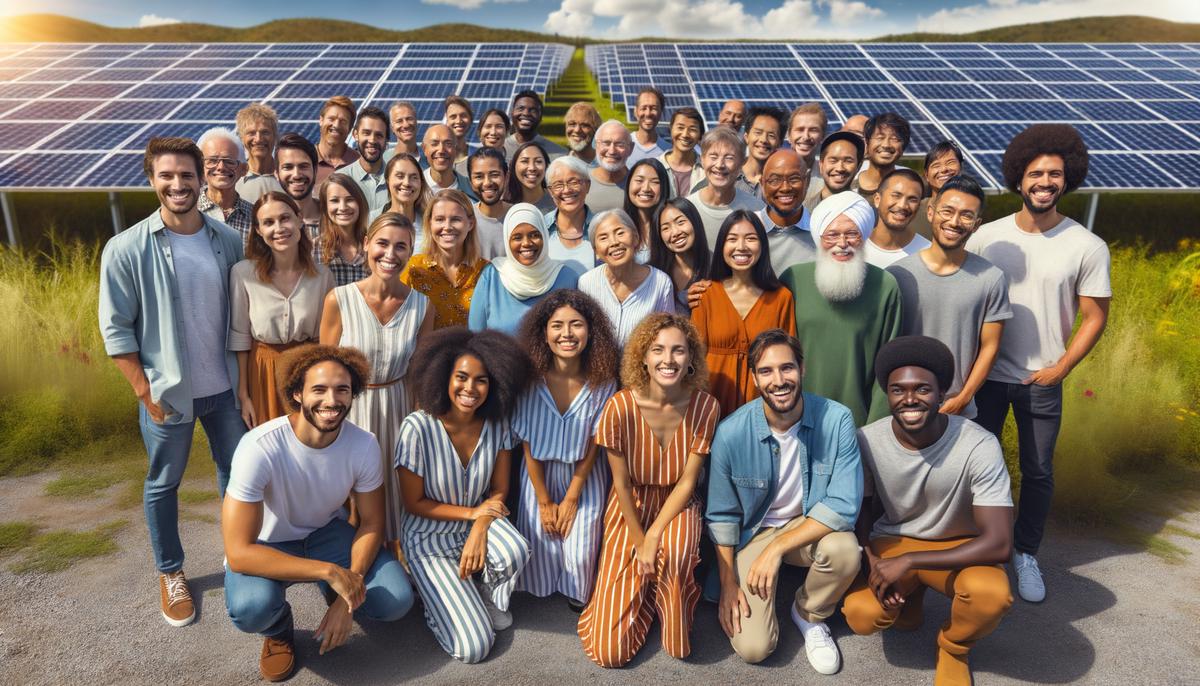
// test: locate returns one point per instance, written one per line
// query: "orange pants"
(614, 625)
(980, 597)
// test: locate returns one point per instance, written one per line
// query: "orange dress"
(728, 337)
(451, 301)
(614, 625)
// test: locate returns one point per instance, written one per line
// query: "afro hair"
(1046, 139)
(432, 364)
(915, 351)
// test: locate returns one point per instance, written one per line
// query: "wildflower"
(1088, 393)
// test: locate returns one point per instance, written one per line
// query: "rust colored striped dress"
(624, 601)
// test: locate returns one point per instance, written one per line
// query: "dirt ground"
(1115, 614)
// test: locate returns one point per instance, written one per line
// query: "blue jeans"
(168, 446)
(258, 605)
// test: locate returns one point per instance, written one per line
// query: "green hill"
(52, 28)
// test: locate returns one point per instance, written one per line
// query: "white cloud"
(851, 12)
(997, 13)
(695, 18)
(155, 20)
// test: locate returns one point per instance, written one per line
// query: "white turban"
(848, 203)
(523, 281)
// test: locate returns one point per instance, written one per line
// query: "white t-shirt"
(712, 217)
(202, 310)
(302, 489)
(583, 255)
(789, 499)
(490, 234)
(1047, 272)
(885, 258)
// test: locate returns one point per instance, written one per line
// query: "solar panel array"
(1137, 106)
(79, 115)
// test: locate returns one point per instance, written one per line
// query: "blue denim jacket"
(744, 467)
(139, 299)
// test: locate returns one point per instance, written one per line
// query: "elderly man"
(721, 156)
(784, 181)
(258, 127)
(845, 308)
(337, 115)
(223, 156)
(526, 116)
(732, 115)
(581, 122)
(371, 135)
(568, 181)
(839, 160)
(613, 145)
(439, 146)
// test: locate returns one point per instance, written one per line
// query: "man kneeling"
(941, 515)
(785, 487)
(281, 522)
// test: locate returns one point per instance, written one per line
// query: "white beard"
(840, 281)
(578, 146)
(610, 168)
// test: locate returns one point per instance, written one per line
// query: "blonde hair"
(256, 112)
(633, 364)
(385, 220)
(471, 251)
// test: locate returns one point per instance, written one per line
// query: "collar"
(762, 430)
(156, 224)
(803, 224)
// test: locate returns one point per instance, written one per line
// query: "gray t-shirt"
(928, 494)
(788, 245)
(712, 217)
(605, 196)
(952, 308)
(490, 234)
(1047, 272)
(202, 311)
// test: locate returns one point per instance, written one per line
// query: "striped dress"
(384, 403)
(453, 608)
(614, 624)
(560, 442)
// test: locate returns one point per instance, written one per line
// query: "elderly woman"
(514, 283)
(626, 291)
(569, 183)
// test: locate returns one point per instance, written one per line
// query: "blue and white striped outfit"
(559, 442)
(453, 608)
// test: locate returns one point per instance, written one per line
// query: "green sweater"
(841, 339)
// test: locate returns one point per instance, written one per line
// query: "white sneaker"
(501, 619)
(822, 652)
(1030, 586)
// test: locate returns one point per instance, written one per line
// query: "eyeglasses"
(948, 214)
(775, 181)
(214, 162)
(850, 237)
(572, 184)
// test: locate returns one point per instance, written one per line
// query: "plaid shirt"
(343, 272)
(238, 218)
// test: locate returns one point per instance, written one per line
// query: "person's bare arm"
(623, 489)
(764, 571)
(732, 606)
(243, 389)
(989, 345)
(547, 508)
(412, 492)
(331, 321)
(1094, 313)
(130, 366)
(569, 505)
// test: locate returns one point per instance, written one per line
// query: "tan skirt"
(264, 390)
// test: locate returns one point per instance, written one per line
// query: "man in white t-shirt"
(282, 517)
(937, 511)
(489, 177)
(1056, 270)
(896, 202)
(785, 486)
(722, 153)
(648, 110)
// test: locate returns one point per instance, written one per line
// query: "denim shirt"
(745, 470)
(139, 301)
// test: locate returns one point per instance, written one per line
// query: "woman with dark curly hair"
(562, 490)
(1056, 269)
(657, 432)
(679, 248)
(452, 461)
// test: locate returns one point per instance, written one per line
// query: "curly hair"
(294, 364)
(601, 358)
(1046, 139)
(507, 366)
(633, 365)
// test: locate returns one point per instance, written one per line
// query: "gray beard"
(578, 146)
(840, 281)
(610, 168)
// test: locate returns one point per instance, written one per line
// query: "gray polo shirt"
(789, 245)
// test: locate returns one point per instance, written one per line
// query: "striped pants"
(614, 625)
(453, 608)
(562, 565)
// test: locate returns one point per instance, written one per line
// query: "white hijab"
(848, 203)
(522, 281)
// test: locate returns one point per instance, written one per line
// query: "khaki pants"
(833, 563)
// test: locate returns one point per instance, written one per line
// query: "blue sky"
(629, 18)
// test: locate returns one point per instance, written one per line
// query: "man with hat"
(840, 157)
(936, 513)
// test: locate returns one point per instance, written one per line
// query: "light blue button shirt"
(374, 186)
(140, 302)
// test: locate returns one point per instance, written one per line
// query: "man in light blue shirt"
(785, 486)
(164, 317)
(371, 135)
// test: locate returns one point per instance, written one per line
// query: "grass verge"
(16, 536)
(57, 550)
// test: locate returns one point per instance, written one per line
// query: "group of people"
(453, 373)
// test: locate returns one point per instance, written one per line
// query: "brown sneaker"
(177, 606)
(278, 659)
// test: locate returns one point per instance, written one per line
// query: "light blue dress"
(493, 307)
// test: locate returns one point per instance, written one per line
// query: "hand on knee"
(865, 615)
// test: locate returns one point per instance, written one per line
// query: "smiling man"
(223, 156)
(887, 136)
(371, 135)
(403, 116)
(806, 130)
(281, 522)
(732, 115)
(337, 116)
(1056, 270)
(440, 148)
(257, 127)
(648, 110)
(840, 157)
(164, 318)
(896, 204)
(763, 135)
(581, 122)
(785, 217)
(489, 178)
(613, 145)
(937, 512)
(526, 116)
(296, 170)
(784, 487)
(721, 156)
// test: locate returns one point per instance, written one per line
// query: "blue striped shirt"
(559, 437)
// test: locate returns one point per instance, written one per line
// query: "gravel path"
(1115, 615)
